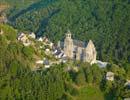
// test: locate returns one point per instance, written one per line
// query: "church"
(78, 50)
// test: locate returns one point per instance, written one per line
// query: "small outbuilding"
(110, 76)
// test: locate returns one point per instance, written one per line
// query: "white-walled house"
(40, 39)
(110, 76)
(1, 32)
(51, 45)
(32, 35)
(47, 66)
(47, 50)
(39, 62)
(21, 37)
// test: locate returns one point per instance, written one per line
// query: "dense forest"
(106, 22)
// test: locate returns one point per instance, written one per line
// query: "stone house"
(110, 76)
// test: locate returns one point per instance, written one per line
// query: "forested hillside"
(17, 81)
(106, 22)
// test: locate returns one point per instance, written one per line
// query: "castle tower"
(68, 45)
(90, 53)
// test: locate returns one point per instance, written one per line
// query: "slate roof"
(79, 43)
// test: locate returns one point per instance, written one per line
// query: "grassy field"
(90, 93)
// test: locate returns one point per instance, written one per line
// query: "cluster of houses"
(27, 40)
(54, 50)
(58, 53)
(24, 38)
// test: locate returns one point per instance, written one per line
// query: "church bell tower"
(68, 45)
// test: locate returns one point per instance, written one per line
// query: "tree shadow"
(45, 21)
(34, 6)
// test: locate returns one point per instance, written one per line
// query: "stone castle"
(78, 50)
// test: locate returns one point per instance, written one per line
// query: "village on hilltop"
(63, 51)
(69, 49)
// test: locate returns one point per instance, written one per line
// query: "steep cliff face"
(90, 53)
